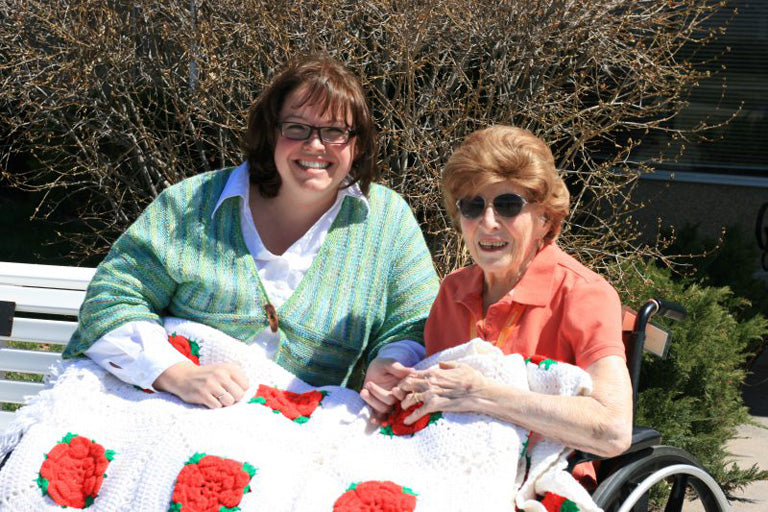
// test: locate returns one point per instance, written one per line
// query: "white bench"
(39, 306)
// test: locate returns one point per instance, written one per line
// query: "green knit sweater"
(371, 283)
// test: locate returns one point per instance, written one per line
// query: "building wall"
(675, 200)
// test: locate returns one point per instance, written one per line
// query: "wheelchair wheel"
(665, 472)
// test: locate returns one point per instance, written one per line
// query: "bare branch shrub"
(116, 100)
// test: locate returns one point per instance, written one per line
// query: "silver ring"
(221, 395)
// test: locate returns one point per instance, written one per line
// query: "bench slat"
(45, 276)
(14, 392)
(14, 360)
(41, 331)
(48, 301)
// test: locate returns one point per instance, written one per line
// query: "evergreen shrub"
(693, 395)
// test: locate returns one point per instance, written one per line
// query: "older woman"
(524, 295)
(295, 250)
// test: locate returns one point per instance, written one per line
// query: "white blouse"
(138, 352)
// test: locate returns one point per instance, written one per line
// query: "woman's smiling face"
(503, 246)
(312, 170)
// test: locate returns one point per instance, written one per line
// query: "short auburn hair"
(506, 154)
(328, 84)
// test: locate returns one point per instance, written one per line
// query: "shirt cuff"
(405, 352)
(136, 353)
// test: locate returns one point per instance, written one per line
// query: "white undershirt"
(138, 352)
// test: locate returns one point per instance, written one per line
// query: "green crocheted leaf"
(547, 363)
(387, 431)
(257, 400)
(569, 506)
(352, 487)
(109, 454)
(88, 501)
(194, 348)
(175, 507)
(324, 393)
(249, 469)
(67, 438)
(195, 458)
(301, 419)
(434, 417)
(227, 509)
(408, 491)
(42, 483)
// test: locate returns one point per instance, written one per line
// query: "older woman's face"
(503, 246)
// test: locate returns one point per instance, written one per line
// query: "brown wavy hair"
(506, 154)
(327, 84)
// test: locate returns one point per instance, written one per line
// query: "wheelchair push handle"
(670, 310)
(661, 307)
(651, 308)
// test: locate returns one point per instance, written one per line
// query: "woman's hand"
(451, 387)
(212, 385)
(383, 374)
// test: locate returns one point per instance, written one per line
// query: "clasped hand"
(450, 387)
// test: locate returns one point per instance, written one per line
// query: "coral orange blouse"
(559, 309)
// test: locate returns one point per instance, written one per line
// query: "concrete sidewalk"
(751, 447)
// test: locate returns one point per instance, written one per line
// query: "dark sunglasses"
(505, 205)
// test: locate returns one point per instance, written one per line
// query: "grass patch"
(30, 345)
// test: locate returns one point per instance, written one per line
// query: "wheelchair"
(625, 481)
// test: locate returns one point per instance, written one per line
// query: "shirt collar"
(470, 292)
(239, 184)
(534, 288)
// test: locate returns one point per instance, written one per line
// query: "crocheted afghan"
(93, 441)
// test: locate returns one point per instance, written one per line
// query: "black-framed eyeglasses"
(328, 134)
(505, 205)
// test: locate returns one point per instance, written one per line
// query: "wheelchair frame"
(625, 481)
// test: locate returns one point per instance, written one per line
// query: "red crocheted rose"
(394, 426)
(73, 471)
(556, 503)
(187, 347)
(294, 406)
(541, 361)
(376, 497)
(208, 483)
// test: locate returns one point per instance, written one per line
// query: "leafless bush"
(118, 99)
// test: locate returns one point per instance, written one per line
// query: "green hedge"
(693, 396)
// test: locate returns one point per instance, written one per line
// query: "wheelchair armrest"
(642, 438)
